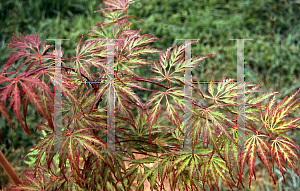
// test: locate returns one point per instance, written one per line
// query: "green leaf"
(154, 113)
(261, 98)
(93, 149)
(172, 113)
(181, 159)
(130, 171)
(183, 167)
(147, 174)
(211, 88)
(132, 177)
(149, 159)
(153, 179)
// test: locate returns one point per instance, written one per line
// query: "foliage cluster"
(267, 123)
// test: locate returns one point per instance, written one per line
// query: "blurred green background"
(271, 58)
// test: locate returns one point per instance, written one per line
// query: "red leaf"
(4, 112)
(36, 101)
(15, 102)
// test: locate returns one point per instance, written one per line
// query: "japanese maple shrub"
(140, 128)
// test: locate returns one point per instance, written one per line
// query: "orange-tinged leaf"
(263, 149)
(287, 125)
(283, 152)
(285, 101)
(254, 144)
(250, 153)
(251, 161)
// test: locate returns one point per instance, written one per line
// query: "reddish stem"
(145, 80)
(261, 128)
(176, 145)
(9, 170)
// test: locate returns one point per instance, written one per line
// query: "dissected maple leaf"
(29, 47)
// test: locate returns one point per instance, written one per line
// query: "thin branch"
(61, 185)
(145, 80)
(143, 142)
